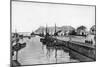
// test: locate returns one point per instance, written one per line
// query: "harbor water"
(36, 52)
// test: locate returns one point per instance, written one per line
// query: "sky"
(27, 16)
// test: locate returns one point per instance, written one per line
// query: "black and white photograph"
(52, 33)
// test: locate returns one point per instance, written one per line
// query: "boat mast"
(55, 31)
(46, 29)
(55, 28)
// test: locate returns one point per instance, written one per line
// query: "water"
(37, 53)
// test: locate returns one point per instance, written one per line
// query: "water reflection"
(37, 52)
(60, 53)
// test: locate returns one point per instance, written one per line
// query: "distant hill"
(52, 29)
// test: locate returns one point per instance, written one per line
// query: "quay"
(78, 50)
